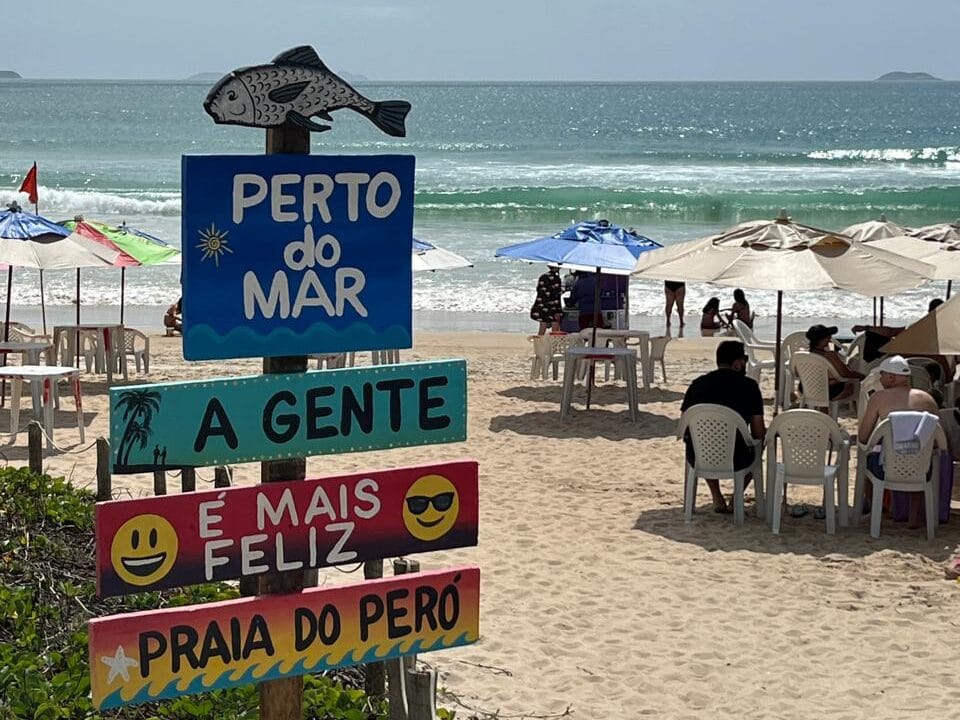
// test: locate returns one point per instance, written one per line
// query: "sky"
(489, 40)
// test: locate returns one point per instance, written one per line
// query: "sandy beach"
(597, 600)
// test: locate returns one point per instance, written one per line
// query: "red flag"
(29, 185)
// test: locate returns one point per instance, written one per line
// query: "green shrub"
(47, 594)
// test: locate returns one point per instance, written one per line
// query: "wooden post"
(283, 699)
(375, 681)
(413, 692)
(159, 482)
(221, 477)
(35, 446)
(188, 479)
(104, 486)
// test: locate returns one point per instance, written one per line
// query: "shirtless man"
(896, 395)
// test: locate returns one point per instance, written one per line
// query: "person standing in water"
(675, 292)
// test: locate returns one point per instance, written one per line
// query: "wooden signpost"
(175, 540)
(287, 254)
(145, 656)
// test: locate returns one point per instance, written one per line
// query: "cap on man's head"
(729, 351)
(816, 333)
(895, 365)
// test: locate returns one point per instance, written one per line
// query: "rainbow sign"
(146, 656)
(175, 540)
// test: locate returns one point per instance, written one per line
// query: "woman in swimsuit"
(711, 321)
(740, 310)
(675, 293)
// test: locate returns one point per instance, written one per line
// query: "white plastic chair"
(752, 346)
(537, 368)
(136, 344)
(331, 361)
(658, 351)
(868, 386)
(713, 431)
(903, 472)
(794, 342)
(67, 349)
(853, 353)
(814, 373)
(553, 348)
(806, 439)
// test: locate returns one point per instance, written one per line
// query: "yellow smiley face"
(430, 507)
(144, 549)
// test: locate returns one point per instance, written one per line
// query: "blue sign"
(296, 254)
(269, 417)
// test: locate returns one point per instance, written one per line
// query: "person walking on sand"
(675, 292)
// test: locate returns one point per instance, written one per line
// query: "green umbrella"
(141, 247)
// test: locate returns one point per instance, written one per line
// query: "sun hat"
(816, 333)
(895, 365)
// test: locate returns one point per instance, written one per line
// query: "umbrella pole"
(123, 278)
(43, 305)
(777, 370)
(874, 311)
(593, 341)
(949, 288)
(77, 337)
(6, 336)
(881, 312)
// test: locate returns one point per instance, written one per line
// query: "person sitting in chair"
(729, 386)
(820, 338)
(173, 318)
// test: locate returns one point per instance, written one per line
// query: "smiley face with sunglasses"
(430, 508)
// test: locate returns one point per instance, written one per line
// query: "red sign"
(174, 540)
(146, 656)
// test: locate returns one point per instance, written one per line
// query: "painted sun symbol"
(213, 243)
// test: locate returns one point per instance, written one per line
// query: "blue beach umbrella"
(592, 245)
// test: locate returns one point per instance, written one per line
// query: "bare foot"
(721, 507)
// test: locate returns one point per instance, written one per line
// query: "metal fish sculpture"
(296, 87)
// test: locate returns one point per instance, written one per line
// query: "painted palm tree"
(138, 407)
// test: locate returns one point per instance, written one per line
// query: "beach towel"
(911, 430)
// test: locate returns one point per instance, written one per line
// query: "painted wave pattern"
(259, 673)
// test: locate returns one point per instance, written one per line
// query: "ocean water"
(505, 162)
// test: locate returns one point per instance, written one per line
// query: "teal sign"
(269, 417)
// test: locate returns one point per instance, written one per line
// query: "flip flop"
(819, 513)
(798, 511)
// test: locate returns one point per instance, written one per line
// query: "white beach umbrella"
(941, 232)
(427, 256)
(782, 255)
(875, 230)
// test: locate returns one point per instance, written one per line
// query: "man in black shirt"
(729, 386)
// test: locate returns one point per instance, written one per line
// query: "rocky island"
(900, 76)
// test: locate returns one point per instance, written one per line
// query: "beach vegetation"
(47, 595)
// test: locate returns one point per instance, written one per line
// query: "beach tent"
(427, 256)
(135, 248)
(784, 256)
(936, 333)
